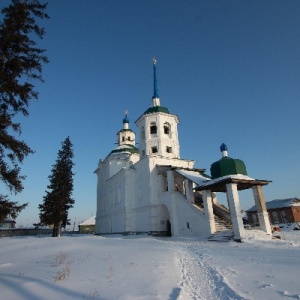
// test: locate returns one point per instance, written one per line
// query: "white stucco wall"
(160, 139)
(184, 215)
(116, 196)
(142, 186)
(135, 199)
(132, 196)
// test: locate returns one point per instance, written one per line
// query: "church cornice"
(155, 109)
(128, 130)
(149, 113)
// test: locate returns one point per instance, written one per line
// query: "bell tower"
(158, 127)
(126, 136)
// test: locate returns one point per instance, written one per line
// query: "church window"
(143, 133)
(169, 149)
(154, 149)
(128, 138)
(167, 128)
(153, 128)
(254, 217)
(123, 138)
(187, 225)
(275, 217)
(283, 216)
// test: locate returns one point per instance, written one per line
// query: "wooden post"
(235, 211)
(208, 209)
(262, 212)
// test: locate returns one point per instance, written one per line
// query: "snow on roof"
(193, 176)
(278, 203)
(124, 148)
(90, 221)
(237, 176)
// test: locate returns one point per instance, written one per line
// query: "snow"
(279, 203)
(90, 221)
(144, 267)
(193, 176)
(237, 176)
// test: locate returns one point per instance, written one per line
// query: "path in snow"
(198, 279)
(255, 269)
(142, 267)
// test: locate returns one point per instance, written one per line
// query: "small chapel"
(151, 189)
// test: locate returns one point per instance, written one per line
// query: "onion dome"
(227, 166)
(126, 120)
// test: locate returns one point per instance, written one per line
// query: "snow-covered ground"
(142, 267)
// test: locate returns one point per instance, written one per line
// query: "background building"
(280, 211)
(88, 226)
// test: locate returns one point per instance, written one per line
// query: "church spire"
(126, 120)
(155, 98)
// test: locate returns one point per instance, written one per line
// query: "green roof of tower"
(227, 166)
(154, 109)
(125, 148)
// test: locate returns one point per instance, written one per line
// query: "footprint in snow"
(289, 295)
(264, 286)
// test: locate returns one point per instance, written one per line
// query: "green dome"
(227, 166)
(125, 148)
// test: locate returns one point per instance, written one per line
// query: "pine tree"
(9, 208)
(20, 65)
(58, 199)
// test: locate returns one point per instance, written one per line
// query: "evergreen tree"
(20, 65)
(9, 208)
(58, 199)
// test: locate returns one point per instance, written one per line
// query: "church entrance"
(166, 227)
(169, 228)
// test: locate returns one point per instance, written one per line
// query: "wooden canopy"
(220, 185)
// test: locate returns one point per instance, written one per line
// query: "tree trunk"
(59, 228)
(54, 231)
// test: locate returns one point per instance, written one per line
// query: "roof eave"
(242, 184)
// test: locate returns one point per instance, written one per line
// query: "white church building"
(150, 189)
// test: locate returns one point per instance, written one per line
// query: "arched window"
(153, 128)
(167, 128)
(128, 138)
(154, 149)
(123, 138)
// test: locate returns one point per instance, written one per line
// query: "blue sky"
(230, 70)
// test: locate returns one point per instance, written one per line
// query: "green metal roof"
(227, 166)
(154, 109)
(125, 148)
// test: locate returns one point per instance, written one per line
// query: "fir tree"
(20, 66)
(58, 199)
(9, 208)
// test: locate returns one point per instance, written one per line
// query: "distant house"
(88, 226)
(7, 224)
(280, 211)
